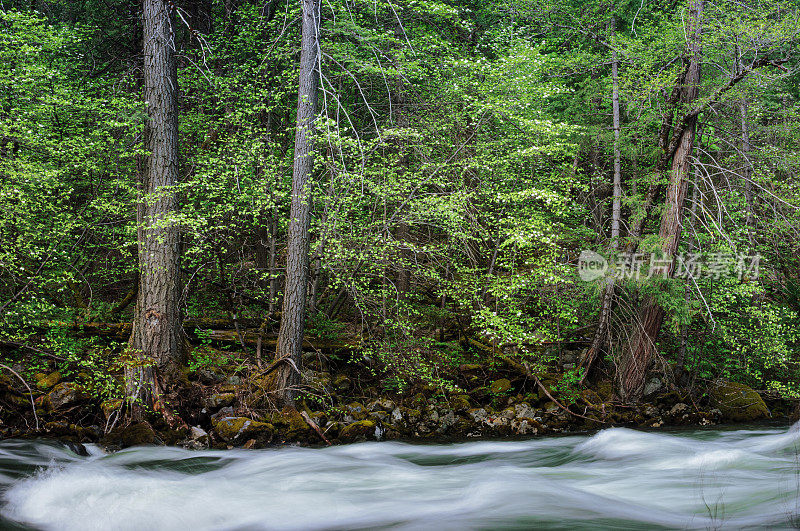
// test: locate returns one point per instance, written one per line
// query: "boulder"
(241, 429)
(653, 386)
(133, 435)
(737, 401)
(45, 382)
(342, 383)
(500, 386)
(359, 431)
(219, 400)
(63, 395)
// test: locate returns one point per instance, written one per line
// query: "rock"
(221, 414)
(342, 383)
(460, 403)
(133, 435)
(219, 400)
(653, 386)
(737, 401)
(355, 408)
(679, 409)
(240, 429)
(358, 431)
(209, 376)
(232, 380)
(63, 395)
(198, 439)
(551, 407)
(382, 404)
(196, 432)
(397, 416)
(48, 381)
(523, 410)
(650, 411)
(500, 386)
(509, 413)
(447, 418)
(478, 415)
(77, 448)
(525, 427)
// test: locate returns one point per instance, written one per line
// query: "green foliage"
(464, 153)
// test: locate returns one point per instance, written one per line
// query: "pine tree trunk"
(640, 349)
(155, 340)
(290, 335)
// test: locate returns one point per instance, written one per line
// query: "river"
(616, 478)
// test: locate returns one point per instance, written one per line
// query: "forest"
(230, 223)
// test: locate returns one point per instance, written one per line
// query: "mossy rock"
(358, 431)
(737, 401)
(45, 382)
(500, 386)
(460, 403)
(342, 383)
(64, 394)
(219, 400)
(240, 429)
(298, 429)
(137, 434)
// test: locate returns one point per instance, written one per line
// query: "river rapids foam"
(615, 478)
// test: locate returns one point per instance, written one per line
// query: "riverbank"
(228, 406)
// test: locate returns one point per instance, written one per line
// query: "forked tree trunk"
(156, 339)
(639, 351)
(290, 335)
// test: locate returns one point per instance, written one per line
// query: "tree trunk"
(290, 335)
(607, 297)
(747, 173)
(640, 348)
(156, 337)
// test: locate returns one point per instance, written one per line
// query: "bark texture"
(290, 335)
(639, 351)
(156, 338)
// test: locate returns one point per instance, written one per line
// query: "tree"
(640, 348)
(290, 336)
(156, 338)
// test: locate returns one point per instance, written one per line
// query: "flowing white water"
(618, 478)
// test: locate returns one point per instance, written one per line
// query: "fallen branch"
(313, 424)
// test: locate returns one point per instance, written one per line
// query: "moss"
(500, 386)
(460, 403)
(133, 435)
(737, 401)
(298, 429)
(358, 431)
(239, 429)
(219, 400)
(45, 382)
